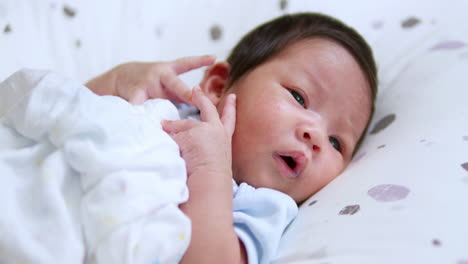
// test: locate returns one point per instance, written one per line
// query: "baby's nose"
(313, 133)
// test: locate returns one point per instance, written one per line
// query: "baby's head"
(305, 86)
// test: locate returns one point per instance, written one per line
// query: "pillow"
(404, 197)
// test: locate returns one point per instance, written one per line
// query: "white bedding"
(87, 179)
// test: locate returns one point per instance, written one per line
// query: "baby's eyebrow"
(312, 80)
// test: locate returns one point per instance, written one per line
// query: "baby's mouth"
(291, 164)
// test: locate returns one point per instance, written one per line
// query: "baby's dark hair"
(270, 38)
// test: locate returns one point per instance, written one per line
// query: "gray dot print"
(388, 192)
(378, 24)
(449, 45)
(465, 166)
(159, 31)
(7, 29)
(216, 32)
(350, 209)
(283, 4)
(383, 123)
(69, 12)
(410, 22)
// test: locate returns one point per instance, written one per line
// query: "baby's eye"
(298, 97)
(335, 143)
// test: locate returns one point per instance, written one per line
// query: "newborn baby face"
(299, 117)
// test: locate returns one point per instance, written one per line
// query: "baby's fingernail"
(197, 90)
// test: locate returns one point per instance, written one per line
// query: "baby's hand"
(137, 82)
(206, 145)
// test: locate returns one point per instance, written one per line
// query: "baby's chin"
(257, 181)
(301, 201)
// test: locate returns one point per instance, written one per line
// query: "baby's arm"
(206, 149)
(137, 82)
(210, 209)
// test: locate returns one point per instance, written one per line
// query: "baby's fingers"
(208, 112)
(191, 63)
(175, 89)
(177, 126)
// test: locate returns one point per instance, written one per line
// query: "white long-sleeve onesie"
(87, 179)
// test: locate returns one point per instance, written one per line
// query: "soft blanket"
(87, 178)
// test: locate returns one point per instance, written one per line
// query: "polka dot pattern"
(283, 4)
(383, 123)
(410, 22)
(426, 142)
(350, 209)
(378, 24)
(159, 31)
(7, 29)
(449, 45)
(216, 32)
(69, 12)
(388, 192)
(465, 166)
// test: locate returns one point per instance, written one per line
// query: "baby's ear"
(215, 80)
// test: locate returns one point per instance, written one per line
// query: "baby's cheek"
(334, 168)
(273, 113)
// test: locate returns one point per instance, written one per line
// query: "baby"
(280, 119)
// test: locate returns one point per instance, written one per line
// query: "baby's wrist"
(211, 171)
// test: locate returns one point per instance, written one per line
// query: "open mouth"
(289, 161)
(291, 164)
